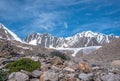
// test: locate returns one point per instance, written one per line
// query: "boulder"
(34, 79)
(57, 61)
(49, 75)
(18, 76)
(26, 72)
(69, 69)
(85, 77)
(55, 68)
(36, 73)
(85, 67)
(35, 58)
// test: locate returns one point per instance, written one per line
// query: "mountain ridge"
(84, 39)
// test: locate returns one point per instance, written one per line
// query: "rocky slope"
(106, 54)
(57, 69)
(83, 39)
(8, 48)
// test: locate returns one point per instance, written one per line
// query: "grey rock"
(2, 66)
(69, 69)
(36, 73)
(51, 75)
(34, 79)
(35, 58)
(55, 68)
(18, 76)
(26, 72)
(85, 77)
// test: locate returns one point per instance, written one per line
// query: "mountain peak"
(5, 33)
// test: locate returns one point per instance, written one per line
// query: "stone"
(2, 66)
(85, 77)
(18, 76)
(70, 75)
(34, 79)
(111, 77)
(85, 67)
(45, 67)
(26, 72)
(71, 64)
(57, 61)
(71, 79)
(69, 69)
(49, 75)
(55, 68)
(36, 73)
(35, 58)
(1, 60)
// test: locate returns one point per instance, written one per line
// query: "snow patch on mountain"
(33, 42)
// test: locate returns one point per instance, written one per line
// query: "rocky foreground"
(55, 68)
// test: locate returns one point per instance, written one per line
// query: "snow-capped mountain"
(83, 39)
(5, 33)
(45, 40)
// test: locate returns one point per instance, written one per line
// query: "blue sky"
(60, 17)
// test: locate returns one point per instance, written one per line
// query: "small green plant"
(3, 75)
(23, 64)
(60, 54)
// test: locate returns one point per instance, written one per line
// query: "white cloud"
(45, 21)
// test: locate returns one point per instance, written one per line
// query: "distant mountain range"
(84, 39)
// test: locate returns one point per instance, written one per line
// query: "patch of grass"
(23, 64)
